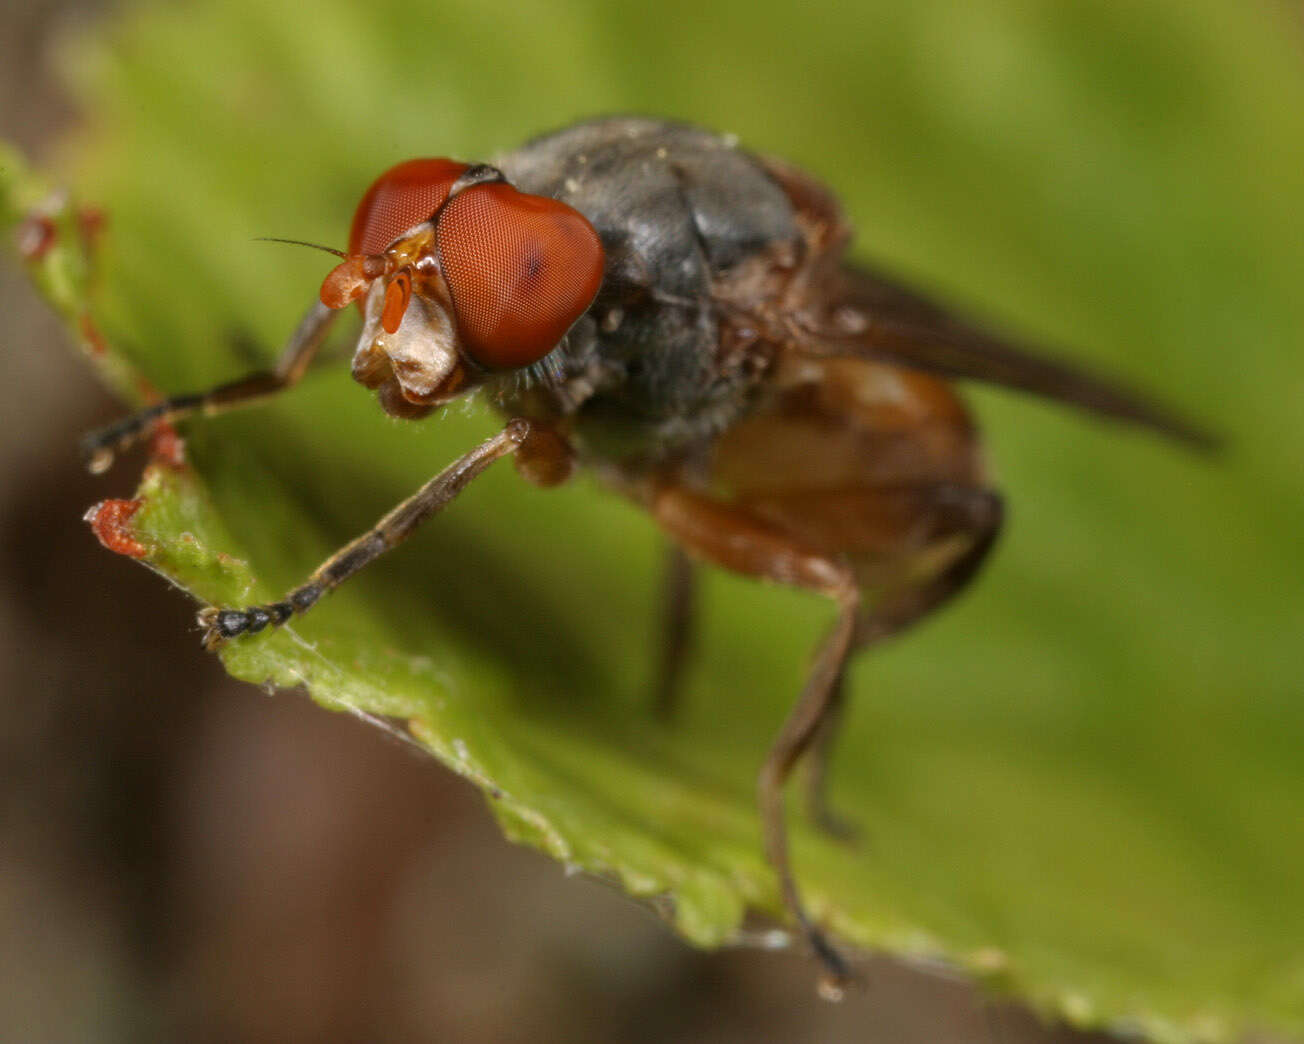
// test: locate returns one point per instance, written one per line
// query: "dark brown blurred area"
(188, 858)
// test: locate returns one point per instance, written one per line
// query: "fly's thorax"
(678, 209)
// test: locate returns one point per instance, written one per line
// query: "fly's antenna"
(300, 242)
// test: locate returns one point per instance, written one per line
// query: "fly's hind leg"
(676, 631)
(821, 815)
(956, 514)
(731, 537)
(803, 724)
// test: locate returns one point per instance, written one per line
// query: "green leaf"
(1084, 782)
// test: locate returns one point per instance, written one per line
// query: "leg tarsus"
(221, 625)
(838, 976)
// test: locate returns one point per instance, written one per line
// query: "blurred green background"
(1083, 781)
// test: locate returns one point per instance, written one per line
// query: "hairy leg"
(99, 447)
(223, 624)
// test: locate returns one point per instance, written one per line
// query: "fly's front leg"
(738, 541)
(222, 624)
(100, 447)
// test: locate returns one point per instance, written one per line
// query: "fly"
(649, 301)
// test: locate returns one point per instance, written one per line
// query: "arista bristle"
(299, 242)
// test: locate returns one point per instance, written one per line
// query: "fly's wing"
(867, 314)
(854, 310)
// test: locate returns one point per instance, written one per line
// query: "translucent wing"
(868, 314)
(855, 310)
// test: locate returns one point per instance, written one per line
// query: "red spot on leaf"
(36, 235)
(110, 521)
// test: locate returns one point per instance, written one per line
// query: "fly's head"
(459, 277)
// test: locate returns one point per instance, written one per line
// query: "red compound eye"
(521, 269)
(403, 196)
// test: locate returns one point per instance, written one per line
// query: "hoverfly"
(648, 300)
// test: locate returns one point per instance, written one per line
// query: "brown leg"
(731, 537)
(99, 447)
(795, 737)
(958, 511)
(817, 763)
(222, 624)
(676, 631)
